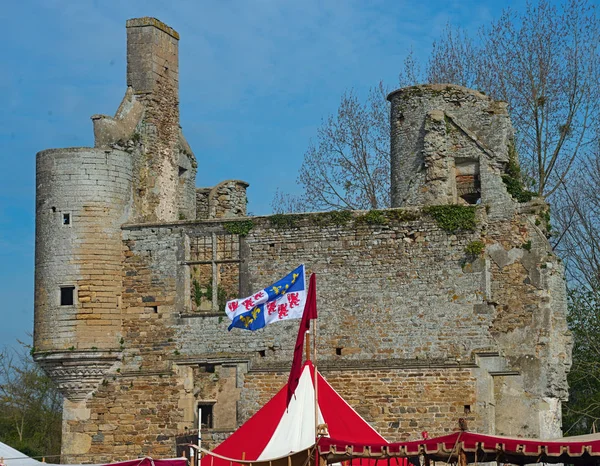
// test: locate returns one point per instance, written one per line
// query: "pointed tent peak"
(273, 421)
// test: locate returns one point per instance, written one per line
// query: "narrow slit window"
(66, 219)
(66, 295)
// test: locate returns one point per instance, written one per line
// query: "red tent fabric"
(477, 448)
(274, 431)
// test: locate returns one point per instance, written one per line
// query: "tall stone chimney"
(152, 55)
(153, 77)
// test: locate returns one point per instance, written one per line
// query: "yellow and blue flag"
(283, 300)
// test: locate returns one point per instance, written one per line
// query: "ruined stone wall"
(228, 199)
(186, 188)
(413, 331)
(426, 314)
(202, 203)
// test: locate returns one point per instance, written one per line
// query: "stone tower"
(449, 145)
(140, 169)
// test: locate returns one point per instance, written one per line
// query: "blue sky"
(256, 79)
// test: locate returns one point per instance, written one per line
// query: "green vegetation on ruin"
(343, 217)
(453, 218)
(475, 249)
(513, 178)
(241, 227)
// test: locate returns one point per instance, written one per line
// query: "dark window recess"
(467, 409)
(468, 187)
(182, 171)
(468, 182)
(338, 351)
(66, 219)
(209, 368)
(66, 295)
(262, 353)
(206, 415)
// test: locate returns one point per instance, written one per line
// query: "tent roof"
(11, 457)
(477, 448)
(275, 431)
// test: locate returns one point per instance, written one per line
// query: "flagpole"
(316, 377)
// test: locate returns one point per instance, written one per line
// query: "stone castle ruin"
(450, 304)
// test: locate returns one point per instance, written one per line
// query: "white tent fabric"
(11, 457)
(296, 429)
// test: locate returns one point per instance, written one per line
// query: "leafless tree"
(577, 216)
(454, 59)
(347, 167)
(410, 74)
(545, 64)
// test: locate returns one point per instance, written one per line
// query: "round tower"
(83, 197)
(447, 142)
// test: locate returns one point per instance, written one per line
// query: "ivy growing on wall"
(373, 217)
(343, 217)
(241, 228)
(452, 218)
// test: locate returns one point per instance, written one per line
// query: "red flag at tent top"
(310, 312)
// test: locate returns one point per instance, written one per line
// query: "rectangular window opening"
(206, 415)
(66, 295)
(338, 351)
(468, 182)
(66, 219)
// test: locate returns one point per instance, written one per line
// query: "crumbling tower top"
(449, 145)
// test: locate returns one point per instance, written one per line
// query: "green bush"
(514, 180)
(475, 248)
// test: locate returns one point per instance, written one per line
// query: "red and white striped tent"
(276, 432)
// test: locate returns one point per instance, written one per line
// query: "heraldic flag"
(283, 300)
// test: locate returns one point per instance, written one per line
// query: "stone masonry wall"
(137, 410)
(405, 318)
(419, 323)
(227, 199)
